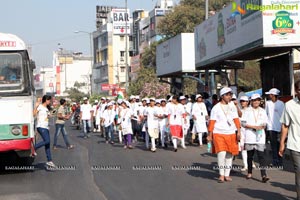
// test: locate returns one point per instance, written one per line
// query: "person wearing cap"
(244, 102)
(152, 123)
(176, 118)
(274, 108)
(125, 116)
(135, 120)
(224, 132)
(235, 104)
(107, 119)
(162, 121)
(95, 107)
(200, 116)
(100, 110)
(86, 115)
(254, 121)
(185, 126)
(290, 130)
(118, 109)
(142, 109)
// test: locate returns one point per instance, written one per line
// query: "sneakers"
(153, 149)
(50, 164)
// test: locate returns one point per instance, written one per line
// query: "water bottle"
(258, 135)
(209, 147)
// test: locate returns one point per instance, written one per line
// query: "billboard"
(176, 55)
(121, 21)
(281, 23)
(228, 33)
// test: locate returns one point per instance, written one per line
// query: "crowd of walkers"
(230, 125)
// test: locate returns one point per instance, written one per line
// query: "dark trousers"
(109, 133)
(275, 138)
(261, 160)
(296, 160)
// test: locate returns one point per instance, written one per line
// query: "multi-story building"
(112, 48)
(73, 70)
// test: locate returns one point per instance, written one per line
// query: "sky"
(43, 24)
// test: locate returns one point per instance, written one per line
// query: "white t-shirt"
(42, 117)
(86, 110)
(152, 121)
(108, 116)
(200, 112)
(125, 117)
(224, 115)
(163, 111)
(94, 110)
(176, 112)
(254, 117)
(274, 112)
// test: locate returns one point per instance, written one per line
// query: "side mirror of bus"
(32, 65)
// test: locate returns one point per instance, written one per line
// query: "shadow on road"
(262, 194)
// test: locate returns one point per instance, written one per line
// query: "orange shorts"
(176, 131)
(224, 142)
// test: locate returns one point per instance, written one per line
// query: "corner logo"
(237, 10)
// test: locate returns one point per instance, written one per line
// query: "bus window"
(11, 71)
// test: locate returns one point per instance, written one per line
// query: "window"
(122, 53)
(123, 69)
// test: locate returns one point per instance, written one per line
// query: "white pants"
(244, 156)
(153, 143)
(224, 163)
(200, 138)
(185, 131)
(174, 140)
(162, 133)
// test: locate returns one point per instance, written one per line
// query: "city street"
(96, 170)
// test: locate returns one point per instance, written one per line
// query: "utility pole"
(126, 49)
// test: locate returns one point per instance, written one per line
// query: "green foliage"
(149, 56)
(145, 75)
(75, 94)
(189, 86)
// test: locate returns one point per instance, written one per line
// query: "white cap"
(244, 98)
(163, 100)
(152, 99)
(197, 96)
(233, 96)
(255, 96)
(119, 101)
(225, 90)
(113, 102)
(103, 98)
(157, 101)
(274, 91)
(182, 98)
(132, 97)
(110, 104)
(85, 98)
(147, 101)
(96, 101)
(137, 97)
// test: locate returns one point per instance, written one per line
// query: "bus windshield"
(11, 72)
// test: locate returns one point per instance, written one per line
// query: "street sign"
(108, 87)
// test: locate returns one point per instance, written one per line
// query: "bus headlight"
(16, 130)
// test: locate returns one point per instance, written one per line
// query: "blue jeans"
(46, 142)
(296, 160)
(277, 160)
(109, 133)
(61, 128)
(86, 126)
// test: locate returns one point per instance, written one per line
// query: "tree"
(149, 56)
(75, 94)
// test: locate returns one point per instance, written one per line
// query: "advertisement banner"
(281, 21)
(58, 89)
(232, 31)
(108, 87)
(121, 21)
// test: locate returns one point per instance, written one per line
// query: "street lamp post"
(126, 50)
(91, 51)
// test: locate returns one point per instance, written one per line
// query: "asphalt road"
(95, 170)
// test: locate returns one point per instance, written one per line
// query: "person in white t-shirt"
(176, 118)
(185, 126)
(224, 132)
(254, 121)
(162, 121)
(108, 118)
(86, 115)
(152, 123)
(125, 116)
(274, 108)
(200, 116)
(42, 113)
(101, 108)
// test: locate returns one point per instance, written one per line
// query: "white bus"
(17, 97)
